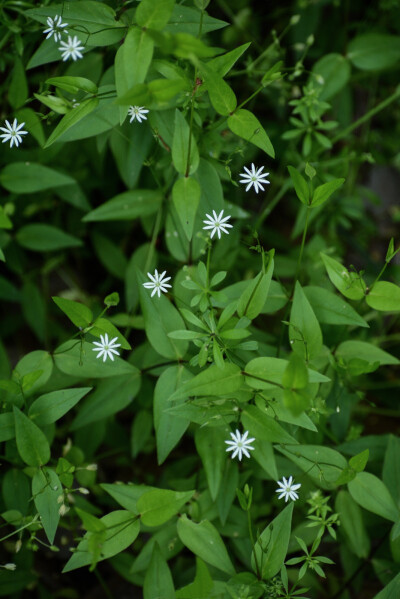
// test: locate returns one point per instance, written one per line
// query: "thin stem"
(21, 528)
(380, 274)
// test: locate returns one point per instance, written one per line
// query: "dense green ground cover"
(199, 291)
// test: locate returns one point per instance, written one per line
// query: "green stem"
(379, 276)
(21, 528)
(368, 115)
(208, 264)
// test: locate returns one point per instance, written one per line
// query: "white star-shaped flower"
(217, 224)
(287, 489)
(254, 177)
(55, 27)
(137, 112)
(240, 444)
(158, 283)
(106, 348)
(12, 133)
(71, 48)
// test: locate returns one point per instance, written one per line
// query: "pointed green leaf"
(244, 124)
(211, 449)
(73, 84)
(254, 296)
(79, 314)
(71, 118)
(300, 186)
(32, 443)
(158, 579)
(262, 426)
(186, 197)
(324, 192)
(348, 283)
(212, 381)
(384, 296)
(221, 95)
(180, 146)
(304, 330)
(50, 407)
(46, 489)
(275, 541)
(154, 14)
(372, 494)
(30, 177)
(159, 505)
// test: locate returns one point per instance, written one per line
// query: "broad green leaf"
(185, 19)
(244, 124)
(264, 427)
(122, 528)
(300, 186)
(33, 123)
(47, 52)
(160, 318)
(212, 451)
(363, 350)
(18, 87)
(81, 361)
(109, 397)
(169, 429)
(254, 297)
(348, 283)
(332, 309)
(168, 542)
(204, 540)
(221, 94)
(154, 14)
(46, 489)
(159, 505)
(51, 406)
(7, 426)
(391, 468)
(186, 46)
(132, 62)
(186, 197)
(223, 64)
(384, 296)
(264, 454)
(275, 541)
(324, 192)
(72, 118)
(127, 206)
(34, 309)
(110, 254)
(102, 326)
(229, 484)
(276, 409)
(295, 379)
(16, 489)
(304, 330)
(334, 69)
(158, 579)
(23, 177)
(351, 520)
(374, 51)
(391, 590)
(200, 587)
(36, 361)
(32, 444)
(212, 381)
(180, 147)
(79, 314)
(267, 373)
(96, 19)
(55, 103)
(359, 461)
(127, 495)
(322, 464)
(45, 238)
(73, 84)
(130, 150)
(372, 494)
(155, 95)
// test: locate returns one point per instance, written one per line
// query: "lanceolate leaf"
(244, 124)
(46, 489)
(32, 444)
(212, 381)
(275, 538)
(71, 118)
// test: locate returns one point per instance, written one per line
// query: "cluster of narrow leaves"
(202, 369)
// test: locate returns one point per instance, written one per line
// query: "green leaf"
(7, 426)
(391, 590)
(132, 62)
(169, 429)
(212, 381)
(359, 461)
(112, 299)
(391, 468)
(223, 64)
(50, 407)
(267, 373)
(304, 330)
(200, 587)
(46, 489)
(253, 298)
(29, 177)
(18, 87)
(73, 84)
(122, 528)
(45, 238)
(363, 350)
(322, 464)
(221, 95)
(348, 283)
(204, 540)
(374, 51)
(384, 296)
(127, 206)
(180, 146)
(186, 197)
(36, 361)
(127, 495)
(158, 579)
(71, 118)
(372, 494)
(295, 379)
(275, 541)
(82, 362)
(185, 19)
(155, 95)
(324, 192)
(300, 186)
(109, 397)
(331, 309)
(79, 314)
(244, 124)
(16, 489)
(159, 505)
(264, 427)
(154, 14)
(160, 318)
(335, 71)
(211, 449)
(32, 444)
(351, 520)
